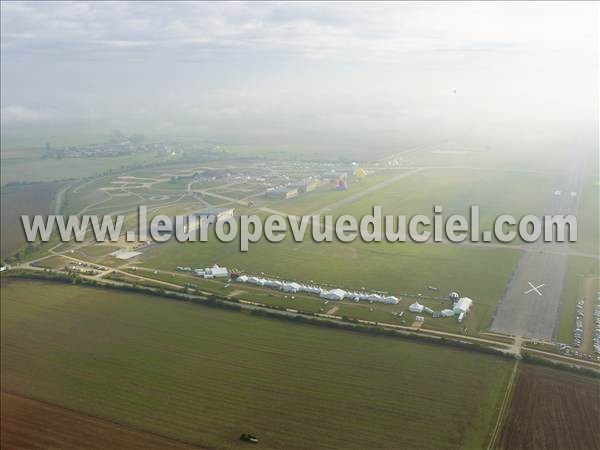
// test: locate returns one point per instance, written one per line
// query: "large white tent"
(462, 305)
(334, 294)
(416, 307)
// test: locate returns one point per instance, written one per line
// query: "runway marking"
(535, 288)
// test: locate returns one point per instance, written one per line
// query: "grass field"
(577, 268)
(456, 190)
(395, 268)
(17, 200)
(53, 262)
(40, 169)
(205, 375)
(552, 409)
(30, 424)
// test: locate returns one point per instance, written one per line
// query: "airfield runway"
(531, 302)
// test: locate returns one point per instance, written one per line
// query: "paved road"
(522, 311)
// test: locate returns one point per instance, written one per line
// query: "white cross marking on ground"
(535, 288)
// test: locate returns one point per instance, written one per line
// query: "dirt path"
(590, 287)
(333, 310)
(503, 407)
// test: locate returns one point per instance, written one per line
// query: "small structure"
(360, 173)
(282, 192)
(212, 272)
(215, 214)
(249, 438)
(428, 310)
(306, 185)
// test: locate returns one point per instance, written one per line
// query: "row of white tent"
(209, 272)
(460, 308)
(327, 294)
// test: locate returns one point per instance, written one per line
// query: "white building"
(212, 272)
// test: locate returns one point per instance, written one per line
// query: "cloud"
(268, 65)
(367, 30)
(23, 115)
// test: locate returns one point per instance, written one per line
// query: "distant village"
(117, 145)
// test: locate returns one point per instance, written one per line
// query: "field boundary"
(504, 408)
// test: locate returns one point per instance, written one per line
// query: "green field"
(18, 200)
(402, 268)
(205, 375)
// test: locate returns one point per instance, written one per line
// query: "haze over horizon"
(376, 73)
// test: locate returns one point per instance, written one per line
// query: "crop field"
(43, 169)
(203, 375)
(552, 409)
(27, 423)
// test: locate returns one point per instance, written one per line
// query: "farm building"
(416, 307)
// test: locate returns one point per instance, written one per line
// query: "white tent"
(447, 313)
(428, 310)
(391, 300)
(416, 307)
(462, 305)
(242, 279)
(291, 287)
(375, 298)
(334, 294)
(216, 271)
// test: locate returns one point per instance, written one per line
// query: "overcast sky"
(282, 70)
